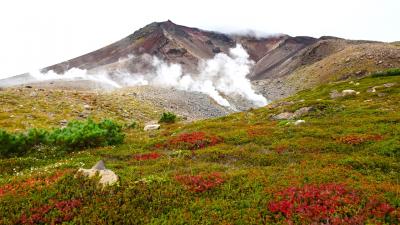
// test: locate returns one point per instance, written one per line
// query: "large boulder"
(107, 177)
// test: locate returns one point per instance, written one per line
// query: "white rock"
(152, 127)
(87, 106)
(299, 122)
(107, 177)
(348, 92)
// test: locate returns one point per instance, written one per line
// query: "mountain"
(166, 40)
(283, 64)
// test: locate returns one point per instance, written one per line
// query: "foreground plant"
(56, 212)
(329, 204)
(201, 182)
(191, 141)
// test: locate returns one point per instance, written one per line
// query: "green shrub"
(167, 117)
(386, 73)
(85, 134)
(76, 135)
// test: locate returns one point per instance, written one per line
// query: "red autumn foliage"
(37, 182)
(355, 139)
(201, 182)
(64, 211)
(280, 149)
(328, 204)
(147, 156)
(191, 141)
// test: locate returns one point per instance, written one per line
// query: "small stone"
(87, 106)
(152, 127)
(388, 85)
(63, 122)
(299, 122)
(349, 92)
(33, 94)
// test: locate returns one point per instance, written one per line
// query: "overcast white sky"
(38, 33)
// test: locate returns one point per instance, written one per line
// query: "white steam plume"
(221, 75)
(224, 75)
(75, 74)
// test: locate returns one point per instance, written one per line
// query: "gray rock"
(283, 116)
(99, 165)
(33, 94)
(303, 111)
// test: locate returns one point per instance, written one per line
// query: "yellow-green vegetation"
(342, 166)
(25, 108)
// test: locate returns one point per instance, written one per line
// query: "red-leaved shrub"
(201, 182)
(35, 182)
(328, 204)
(356, 139)
(59, 211)
(147, 156)
(191, 141)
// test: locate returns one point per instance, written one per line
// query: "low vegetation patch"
(56, 212)
(77, 135)
(191, 141)
(357, 139)
(147, 156)
(389, 72)
(329, 204)
(200, 183)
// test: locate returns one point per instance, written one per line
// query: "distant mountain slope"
(283, 64)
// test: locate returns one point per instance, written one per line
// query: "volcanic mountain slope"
(166, 40)
(283, 64)
(279, 60)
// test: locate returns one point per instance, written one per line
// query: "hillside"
(340, 166)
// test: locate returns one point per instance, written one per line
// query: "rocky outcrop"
(107, 177)
(292, 115)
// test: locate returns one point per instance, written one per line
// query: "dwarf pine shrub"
(167, 117)
(77, 135)
(386, 73)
